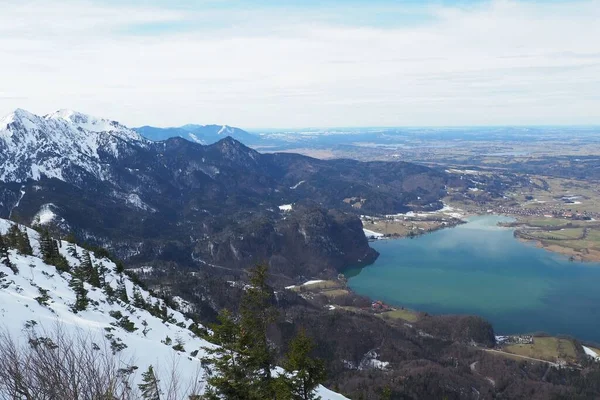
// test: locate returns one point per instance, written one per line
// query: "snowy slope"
(18, 306)
(61, 143)
(92, 124)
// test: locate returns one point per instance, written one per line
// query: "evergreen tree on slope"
(149, 386)
(303, 373)
(4, 258)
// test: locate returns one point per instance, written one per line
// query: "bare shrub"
(61, 365)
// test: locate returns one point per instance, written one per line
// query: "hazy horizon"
(305, 63)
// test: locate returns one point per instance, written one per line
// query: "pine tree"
(164, 312)
(50, 252)
(72, 250)
(12, 236)
(153, 309)
(256, 314)
(149, 386)
(19, 240)
(4, 258)
(303, 373)
(46, 244)
(119, 267)
(60, 263)
(102, 271)
(94, 277)
(226, 365)
(90, 272)
(85, 266)
(24, 244)
(244, 360)
(81, 299)
(122, 292)
(109, 291)
(138, 299)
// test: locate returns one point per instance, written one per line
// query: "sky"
(304, 63)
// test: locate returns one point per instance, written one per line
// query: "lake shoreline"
(448, 305)
(574, 255)
(587, 256)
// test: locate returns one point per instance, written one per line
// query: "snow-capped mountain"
(36, 298)
(64, 145)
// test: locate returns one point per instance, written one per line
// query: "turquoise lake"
(481, 269)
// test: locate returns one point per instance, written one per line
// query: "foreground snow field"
(150, 343)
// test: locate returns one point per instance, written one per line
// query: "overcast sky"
(304, 63)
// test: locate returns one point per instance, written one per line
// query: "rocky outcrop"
(308, 241)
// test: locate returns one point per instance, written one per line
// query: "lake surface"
(479, 268)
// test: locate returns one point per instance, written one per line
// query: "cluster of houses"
(380, 306)
(548, 212)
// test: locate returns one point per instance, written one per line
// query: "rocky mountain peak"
(18, 118)
(90, 123)
(236, 151)
(33, 146)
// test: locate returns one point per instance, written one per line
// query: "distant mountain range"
(203, 134)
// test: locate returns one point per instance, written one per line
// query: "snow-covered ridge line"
(33, 145)
(40, 295)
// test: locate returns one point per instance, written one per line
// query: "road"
(524, 357)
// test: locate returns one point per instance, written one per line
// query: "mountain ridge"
(145, 200)
(202, 134)
(62, 144)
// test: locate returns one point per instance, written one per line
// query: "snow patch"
(196, 139)
(372, 234)
(135, 200)
(17, 203)
(296, 185)
(45, 215)
(591, 353)
(225, 129)
(312, 282)
(307, 283)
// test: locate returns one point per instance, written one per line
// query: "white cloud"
(502, 62)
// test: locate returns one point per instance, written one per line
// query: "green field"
(593, 236)
(506, 355)
(406, 315)
(592, 241)
(543, 222)
(335, 292)
(546, 348)
(563, 234)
